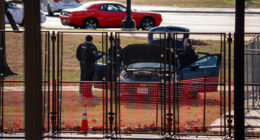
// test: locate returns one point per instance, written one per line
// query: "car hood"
(74, 9)
(141, 53)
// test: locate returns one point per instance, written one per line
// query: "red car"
(96, 14)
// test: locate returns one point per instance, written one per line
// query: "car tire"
(50, 13)
(90, 23)
(147, 23)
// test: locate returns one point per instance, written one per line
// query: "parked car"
(143, 70)
(155, 39)
(52, 6)
(18, 14)
(92, 15)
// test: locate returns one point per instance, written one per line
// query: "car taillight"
(56, 0)
(77, 1)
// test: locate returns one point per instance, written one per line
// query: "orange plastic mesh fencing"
(13, 109)
(13, 106)
(74, 96)
(140, 106)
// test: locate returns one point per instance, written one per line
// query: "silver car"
(18, 14)
(52, 6)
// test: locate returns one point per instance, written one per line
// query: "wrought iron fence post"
(205, 100)
(229, 85)
(111, 113)
(169, 84)
(106, 84)
(2, 41)
(165, 83)
(53, 113)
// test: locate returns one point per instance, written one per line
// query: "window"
(121, 8)
(210, 61)
(113, 8)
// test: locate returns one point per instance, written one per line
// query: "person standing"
(188, 55)
(115, 52)
(87, 54)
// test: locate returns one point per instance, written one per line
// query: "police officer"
(188, 55)
(115, 52)
(87, 54)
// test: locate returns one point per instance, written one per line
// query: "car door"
(205, 67)
(112, 15)
(204, 70)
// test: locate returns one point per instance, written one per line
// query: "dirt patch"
(134, 116)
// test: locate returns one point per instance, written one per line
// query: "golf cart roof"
(169, 29)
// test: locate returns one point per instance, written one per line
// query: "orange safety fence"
(141, 107)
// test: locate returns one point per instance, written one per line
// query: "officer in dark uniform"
(87, 54)
(188, 55)
(115, 52)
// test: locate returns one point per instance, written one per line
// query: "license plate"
(66, 1)
(142, 90)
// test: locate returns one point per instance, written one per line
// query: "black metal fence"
(252, 87)
(252, 52)
(12, 80)
(141, 88)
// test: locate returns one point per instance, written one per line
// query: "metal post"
(239, 114)
(111, 113)
(53, 113)
(229, 85)
(128, 24)
(2, 53)
(169, 41)
(33, 71)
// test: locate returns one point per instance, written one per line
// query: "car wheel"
(147, 23)
(50, 13)
(90, 23)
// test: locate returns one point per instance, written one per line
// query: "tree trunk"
(3, 63)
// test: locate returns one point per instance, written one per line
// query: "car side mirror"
(194, 67)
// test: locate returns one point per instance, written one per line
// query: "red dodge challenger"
(92, 15)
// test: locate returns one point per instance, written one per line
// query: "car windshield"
(86, 5)
(143, 65)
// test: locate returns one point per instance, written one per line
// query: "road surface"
(197, 20)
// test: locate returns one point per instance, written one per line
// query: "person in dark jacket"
(115, 52)
(87, 54)
(188, 55)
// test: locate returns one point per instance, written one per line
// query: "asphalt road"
(197, 20)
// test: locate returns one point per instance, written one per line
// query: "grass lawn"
(191, 3)
(71, 69)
